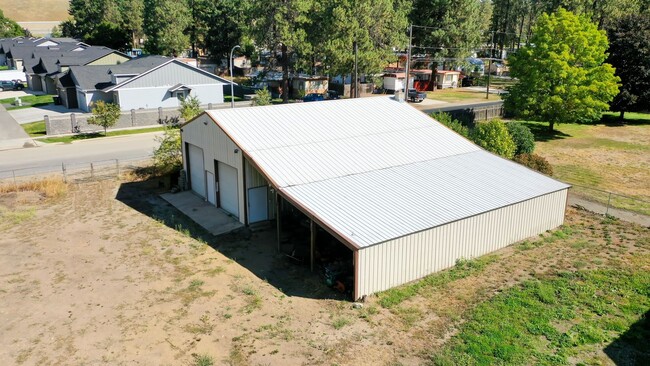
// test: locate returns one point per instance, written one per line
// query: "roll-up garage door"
(228, 189)
(197, 175)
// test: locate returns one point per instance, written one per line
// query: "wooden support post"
(313, 245)
(277, 217)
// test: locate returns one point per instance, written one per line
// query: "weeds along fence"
(607, 201)
(75, 171)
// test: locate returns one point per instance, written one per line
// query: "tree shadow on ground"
(615, 121)
(542, 133)
(631, 348)
(254, 250)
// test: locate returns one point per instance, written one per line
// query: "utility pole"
(408, 63)
(194, 54)
(356, 70)
(487, 92)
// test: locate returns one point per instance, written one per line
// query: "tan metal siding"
(408, 258)
(111, 59)
(172, 74)
(203, 133)
(255, 179)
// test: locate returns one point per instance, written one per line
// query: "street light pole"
(232, 81)
(407, 67)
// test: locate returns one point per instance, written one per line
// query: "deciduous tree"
(629, 53)
(104, 115)
(562, 74)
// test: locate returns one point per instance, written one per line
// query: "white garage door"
(228, 189)
(197, 175)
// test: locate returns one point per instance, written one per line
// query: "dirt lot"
(110, 274)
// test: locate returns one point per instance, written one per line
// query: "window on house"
(180, 95)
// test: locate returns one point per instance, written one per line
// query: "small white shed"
(405, 194)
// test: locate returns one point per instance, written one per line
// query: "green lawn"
(601, 157)
(35, 129)
(546, 321)
(577, 295)
(226, 99)
(28, 101)
(5, 67)
(497, 83)
(86, 136)
(460, 95)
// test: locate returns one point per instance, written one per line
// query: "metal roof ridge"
(380, 169)
(424, 126)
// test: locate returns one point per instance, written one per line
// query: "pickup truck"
(416, 96)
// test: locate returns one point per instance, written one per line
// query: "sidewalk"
(601, 209)
(12, 136)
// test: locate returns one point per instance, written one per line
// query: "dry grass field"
(106, 272)
(609, 157)
(35, 10)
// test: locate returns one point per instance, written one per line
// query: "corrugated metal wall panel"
(216, 146)
(411, 257)
(172, 74)
(255, 179)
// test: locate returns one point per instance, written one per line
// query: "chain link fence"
(605, 202)
(75, 171)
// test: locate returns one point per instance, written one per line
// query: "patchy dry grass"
(613, 158)
(48, 187)
(109, 279)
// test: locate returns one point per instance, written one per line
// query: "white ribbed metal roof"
(374, 169)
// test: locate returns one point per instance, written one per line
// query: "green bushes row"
(511, 140)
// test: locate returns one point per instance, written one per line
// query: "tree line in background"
(317, 37)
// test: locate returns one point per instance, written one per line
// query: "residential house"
(447, 79)
(142, 83)
(302, 85)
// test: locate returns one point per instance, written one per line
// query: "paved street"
(48, 157)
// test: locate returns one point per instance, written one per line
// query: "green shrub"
(447, 120)
(262, 97)
(190, 108)
(523, 138)
(167, 156)
(493, 136)
(535, 162)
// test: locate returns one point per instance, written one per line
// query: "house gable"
(114, 58)
(171, 74)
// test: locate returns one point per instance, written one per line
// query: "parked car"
(313, 97)
(11, 85)
(416, 96)
(468, 81)
(332, 94)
